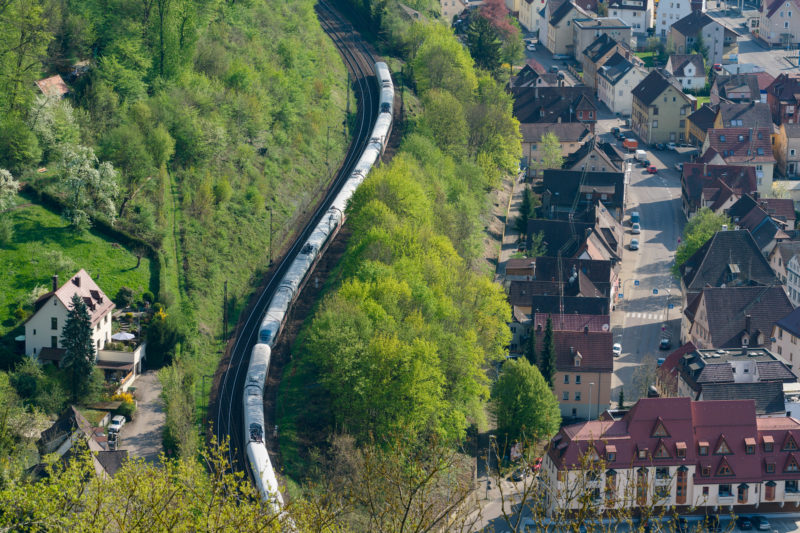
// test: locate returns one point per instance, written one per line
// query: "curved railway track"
(227, 413)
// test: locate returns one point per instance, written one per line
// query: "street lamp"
(591, 384)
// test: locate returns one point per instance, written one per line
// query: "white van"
(641, 155)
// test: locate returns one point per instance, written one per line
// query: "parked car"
(634, 245)
(760, 523)
(679, 167)
(617, 349)
(636, 228)
(652, 169)
(661, 146)
(116, 424)
(645, 163)
(531, 47)
(554, 69)
(672, 146)
(630, 144)
(615, 131)
(537, 465)
(634, 217)
(744, 523)
(718, 67)
(665, 344)
(518, 474)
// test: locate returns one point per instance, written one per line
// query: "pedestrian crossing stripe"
(647, 316)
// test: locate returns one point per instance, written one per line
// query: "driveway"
(142, 436)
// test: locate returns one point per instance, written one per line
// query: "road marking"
(645, 316)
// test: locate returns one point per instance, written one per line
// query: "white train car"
(380, 133)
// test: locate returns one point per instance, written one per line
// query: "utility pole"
(225, 312)
(347, 111)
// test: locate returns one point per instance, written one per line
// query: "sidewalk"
(510, 234)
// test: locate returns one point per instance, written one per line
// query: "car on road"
(652, 169)
(531, 47)
(661, 146)
(537, 465)
(116, 424)
(672, 146)
(634, 245)
(679, 167)
(718, 67)
(760, 523)
(645, 163)
(615, 132)
(518, 474)
(744, 523)
(665, 344)
(616, 349)
(636, 228)
(554, 69)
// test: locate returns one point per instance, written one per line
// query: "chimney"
(77, 281)
(747, 323)
(571, 350)
(55, 282)
(724, 227)
(585, 330)
(705, 169)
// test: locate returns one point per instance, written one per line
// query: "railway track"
(226, 412)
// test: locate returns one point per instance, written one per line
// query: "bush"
(127, 409)
(124, 297)
(6, 230)
(125, 397)
(20, 313)
(148, 297)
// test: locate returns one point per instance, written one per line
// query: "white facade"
(618, 97)
(638, 14)
(43, 329)
(793, 280)
(529, 16)
(787, 345)
(669, 12)
(691, 78)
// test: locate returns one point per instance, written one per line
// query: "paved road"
(142, 436)
(545, 58)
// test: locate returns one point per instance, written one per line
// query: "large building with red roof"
(676, 452)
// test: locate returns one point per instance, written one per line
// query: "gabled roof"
(678, 62)
(791, 322)
(747, 115)
(773, 7)
(556, 233)
(573, 322)
(653, 85)
(603, 152)
(787, 250)
(565, 184)
(53, 86)
(615, 68)
(563, 10)
(780, 208)
(765, 79)
(598, 272)
(732, 305)
(709, 266)
(739, 145)
(97, 303)
(693, 23)
(704, 117)
(785, 87)
(579, 305)
(528, 76)
(593, 347)
(552, 104)
(725, 84)
(599, 47)
(566, 131)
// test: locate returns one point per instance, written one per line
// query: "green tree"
(699, 46)
(445, 122)
(530, 347)
(8, 190)
(18, 145)
(523, 404)
(621, 399)
(484, 44)
(163, 336)
(549, 152)
(79, 354)
(547, 357)
(90, 186)
(701, 227)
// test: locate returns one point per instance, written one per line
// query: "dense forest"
(186, 126)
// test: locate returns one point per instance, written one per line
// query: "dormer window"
(722, 447)
(724, 468)
(703, 448)
(681, 449)
(768, 443)
(706, 471)
(749, 446)
(722, 138)
(611, 453)
(790, 445)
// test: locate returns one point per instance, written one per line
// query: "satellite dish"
(605, 327)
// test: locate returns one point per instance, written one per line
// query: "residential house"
(513, 6)
(561, 187)
(779, 260)
(735, 374)
(586, 30)
(553, 105)
(668, 13)
(684, 455)
(701, 185)
(753, 216)
(793, 279)
(605, 241)
(570, 135)
(712, 265)
(533, 75)
(602, 274)
(778, 23)
(699, 28)
(688, 69)
(530, 297)
(53, 87)
(529, 16)
(559, 28)
(660, 108)
(584, 365)
(787, 150)
(783, 97)
(598, 236)
(780, 209)
(616, 79)
(742, 146)
(742, 115)
(638, 14)
(452, 8)
(596, 156)
(44, 328)
(558, 235)
(522, 326)
(596, 54)
(698, 124)
(786, 336)
(734, 316)
(742, 88)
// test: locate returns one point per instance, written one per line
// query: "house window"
(641, 486)
(580, 114)
(566, 379)
(643, 453)
(683, 111)
(655, 123)
(662, 472)
(725, 491)
(54, 323)
(611, 486)
(578, 379)
(791, 152)
(724, 469)
(680, 486)
(790, 445)
(703, 450)
(770, 468)
(791, 465)
(706, 471)
(769, 491)
(767, 446)
(790, 486)
(565, 396)
(682, 452)
(577, 361)
(577, 396)
(722, 447)
(742, 493)
(611, 456)
(722, 138)
(705, 492)
(54, 342)
(682, 123)
(741, 138)
(750, 449)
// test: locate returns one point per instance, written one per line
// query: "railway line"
(227, 410)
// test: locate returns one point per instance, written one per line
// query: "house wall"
(531, 152)
(39, 331)
(513, 5)
(135, 357)
(529, 14)
(583, 37)
(559, 37)
(784, 21)
(618, 98)
(590, 77)
(787, 346)
(793, 280)
(637, 19)
(668, 13)
(600, 398)
(668, 124)
(451, 8)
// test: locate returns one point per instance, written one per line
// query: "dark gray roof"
(653, 85)
(679, 62)
(606, 152)
(791, 322)
(556, 233)
(741, 207)
(704, 117)
(751, 115)
(717, 373)
(565, 183)
(561, 12)
(726, 83)
(692, 23)
(572, 305)
(599, 47)
(552, 104)
(767, 395)
(774, 371)
(111, 461)
(566, 131)
(732, 305)
(709, 265)
(615, 68)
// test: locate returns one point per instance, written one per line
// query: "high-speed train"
(288, 288)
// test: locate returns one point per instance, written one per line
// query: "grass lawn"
(44, 245)
(647, 57)
(702, 100)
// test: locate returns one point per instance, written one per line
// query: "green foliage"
(530, 348)
(124, 297)
(163, 336)
(550, 152)
(547, 357)
(523, 404)
(18, 145)
(89, 186)
(8, 190)
(148, 297)
(621, 398)
(127, 409)
(484, 43)
(701, 227)
(79, 354)
(53, 122)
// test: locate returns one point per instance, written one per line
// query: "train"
(278, 307)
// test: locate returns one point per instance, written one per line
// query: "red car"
(717, 66)
(651, 169)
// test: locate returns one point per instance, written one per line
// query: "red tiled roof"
(735, 145)
(97, 303)
(765, 79)
(593, 347)
(573, 322)
(53, 86)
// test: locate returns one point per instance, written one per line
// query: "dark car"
(554, 69)
(518, 474)
(661, 146)
(645, 163)
(760, 523)
(665, 344)
(744, 523)
(615, 131)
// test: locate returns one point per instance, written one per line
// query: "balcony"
(726, 500)
(791, 496)
(662, 482)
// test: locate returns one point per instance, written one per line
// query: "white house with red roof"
(43, 329)
(679, 453)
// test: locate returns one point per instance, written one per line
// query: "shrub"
(127, 409)
(6, 230)
(148, 297)
(124, 297)
(123, 397)
(20, 313)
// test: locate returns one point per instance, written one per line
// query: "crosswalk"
(646, 316)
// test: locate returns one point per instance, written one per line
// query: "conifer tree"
(547, 357)
(79, 355)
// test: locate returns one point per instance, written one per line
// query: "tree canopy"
(701, 227)
(79, 353)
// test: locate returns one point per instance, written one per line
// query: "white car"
(679, 167)
(617, 349)
(531, 47)
(671, 146)
(634, 245)
(116, 424)
(636, 229)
